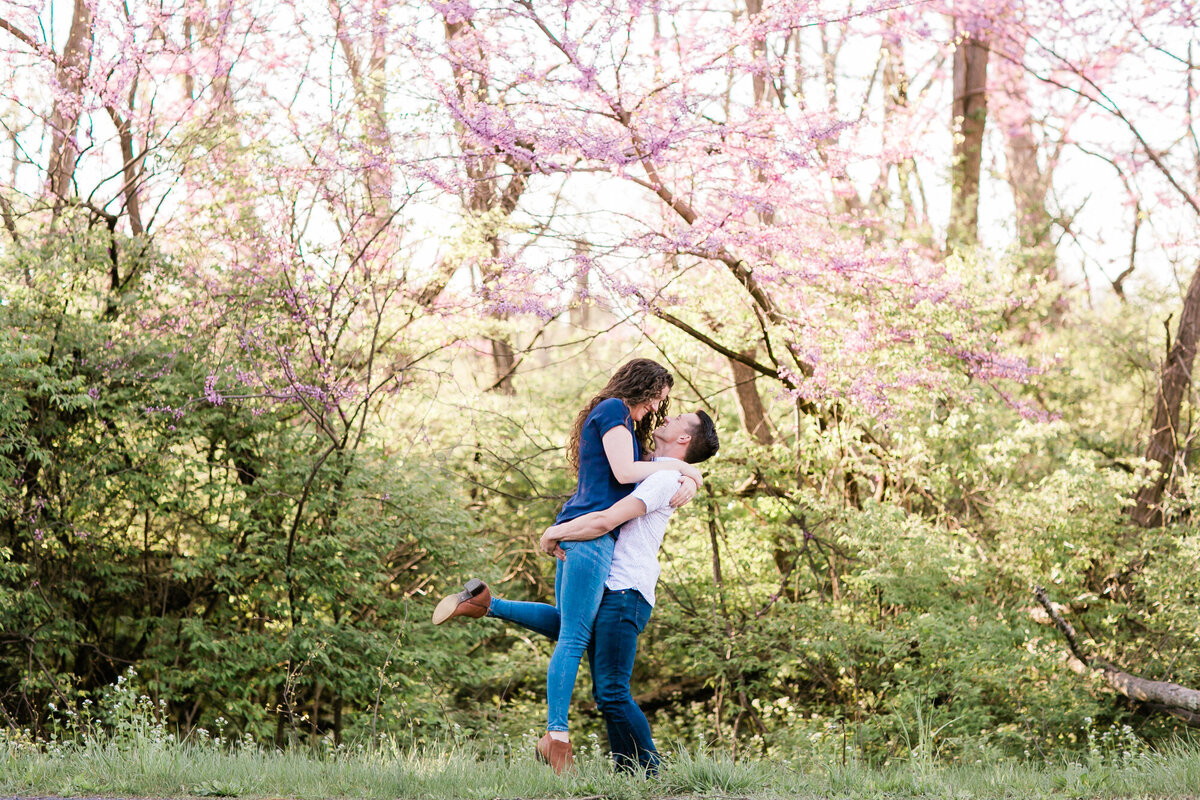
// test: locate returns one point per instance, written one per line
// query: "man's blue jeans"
(622, 616)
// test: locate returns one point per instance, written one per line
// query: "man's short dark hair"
(704, 444)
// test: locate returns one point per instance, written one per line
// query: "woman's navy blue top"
(598, 488)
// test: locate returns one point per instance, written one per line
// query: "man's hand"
(549, 545)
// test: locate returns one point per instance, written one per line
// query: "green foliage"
(864, 590)
(857, 592)
(250, 575)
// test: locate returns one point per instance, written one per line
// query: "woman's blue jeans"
(578, 589)
(621, 617)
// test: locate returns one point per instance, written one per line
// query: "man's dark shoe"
(555, 753)
(472, 601)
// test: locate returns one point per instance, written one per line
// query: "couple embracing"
(634, 466)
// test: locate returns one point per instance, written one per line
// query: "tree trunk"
(337, 719)
(487, 201)
(1174, 382)
(504, 362)
(894, 78)
(1029, 183)
(759, 47)
(580, 313)
(366, 59)
(969, 114)
(749, 403)
(132, 167)
(70, 75)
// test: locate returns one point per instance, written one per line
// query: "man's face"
(674, 427)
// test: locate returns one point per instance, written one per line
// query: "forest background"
(298, 301)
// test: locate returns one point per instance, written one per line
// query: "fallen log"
(1162, 696)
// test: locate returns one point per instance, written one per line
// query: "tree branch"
(1103, 101)
(19, 34)
(10, 223)
(1171, 698)
(666, 316)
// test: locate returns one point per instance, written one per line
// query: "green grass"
(169, 769)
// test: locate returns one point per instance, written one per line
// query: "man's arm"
(593, 525)
(598, 523)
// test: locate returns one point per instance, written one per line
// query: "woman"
(607, 440)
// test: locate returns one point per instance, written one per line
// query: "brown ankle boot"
(472, 601)
(555, 753)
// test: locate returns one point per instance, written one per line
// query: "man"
(628, 596)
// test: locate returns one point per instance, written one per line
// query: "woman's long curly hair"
(635, 382)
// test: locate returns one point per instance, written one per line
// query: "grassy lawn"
(168, 769)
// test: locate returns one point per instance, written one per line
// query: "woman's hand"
(690, 471)
(688, 486)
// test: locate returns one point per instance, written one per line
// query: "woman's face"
(642, 409)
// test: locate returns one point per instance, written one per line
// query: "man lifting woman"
(634, 466)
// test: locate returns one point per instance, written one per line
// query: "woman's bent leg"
(538, 617)
(578, 587)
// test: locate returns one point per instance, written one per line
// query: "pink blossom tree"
(746, 195)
